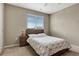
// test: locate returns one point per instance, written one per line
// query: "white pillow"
(33, 35)
(42, 34)
(37, 35)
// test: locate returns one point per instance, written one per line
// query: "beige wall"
(1, 26)
(65, 24)
(15, 21)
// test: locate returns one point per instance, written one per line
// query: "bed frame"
(36, 31)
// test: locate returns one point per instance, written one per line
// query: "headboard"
(34, 31)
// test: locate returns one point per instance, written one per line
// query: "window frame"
(35, 15)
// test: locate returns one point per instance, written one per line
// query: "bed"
(45, 45)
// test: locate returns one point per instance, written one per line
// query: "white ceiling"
(47, 8)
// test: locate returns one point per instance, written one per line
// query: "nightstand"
(23, 40)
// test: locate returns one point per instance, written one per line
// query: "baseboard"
(13, 45)
(74, 48)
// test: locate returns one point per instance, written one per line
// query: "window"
(36, 22)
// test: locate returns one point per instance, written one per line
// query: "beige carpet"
(28, 51)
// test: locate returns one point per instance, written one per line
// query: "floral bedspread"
(48, 45)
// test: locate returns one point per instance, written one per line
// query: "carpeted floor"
(28, 51)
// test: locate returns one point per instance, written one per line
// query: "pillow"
(33, 35)
(42, 34)
(37, 35)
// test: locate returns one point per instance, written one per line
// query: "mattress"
(47, 45)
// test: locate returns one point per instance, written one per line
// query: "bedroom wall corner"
(65, 24)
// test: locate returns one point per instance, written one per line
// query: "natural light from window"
(35, 22)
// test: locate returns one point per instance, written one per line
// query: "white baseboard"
(13, 45)
(74, 48)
